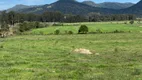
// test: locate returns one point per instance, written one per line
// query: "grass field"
(51, 57)
(103, 26)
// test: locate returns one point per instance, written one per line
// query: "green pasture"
(93, 26)
(116, 56)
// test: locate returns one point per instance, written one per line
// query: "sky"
(5, 4)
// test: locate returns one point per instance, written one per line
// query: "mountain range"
(67, 7)
(109, 5)
(135, 9)
(74, 7)
(20, 7)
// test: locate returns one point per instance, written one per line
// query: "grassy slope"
(44, 57)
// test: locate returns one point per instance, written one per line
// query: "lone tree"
(83, 29)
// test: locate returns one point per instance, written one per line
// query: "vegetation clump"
(70, 32)
(4, 30)
(132, 22)
(125, 22)
(99, 31)
(57, 32)
(25, 26)
(118, 31)
(83, 29)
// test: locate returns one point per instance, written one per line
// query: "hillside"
(115, 5)
(110, 5)
(18, 7)
(90, 3)
(67, 7)
(135, 9)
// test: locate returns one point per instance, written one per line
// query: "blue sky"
(4, 4)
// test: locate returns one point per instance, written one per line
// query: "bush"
(57, 32)
(117, 31)
(57, 24)
(132, 22)
(99, 31)
(70, 32)
(37, 25)
(23, 27)
(4, 27)
(83, 29)
(1, 46)
(125, 22)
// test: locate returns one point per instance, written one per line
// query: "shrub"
(4, 27)
(23, 27)
(125, 22)
(116, 31)
(1, 46)
(83, 29)
(58, 24)
(70, 32)
(132, 22)
(37, 25)
(57, 32)
(99, 31)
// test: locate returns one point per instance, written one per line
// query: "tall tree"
(11, 18)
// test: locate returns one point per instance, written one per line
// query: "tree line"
(13, 17)
(97, 17)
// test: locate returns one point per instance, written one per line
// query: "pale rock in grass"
(83, 51)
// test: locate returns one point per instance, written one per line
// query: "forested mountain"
(110, 5)
(135, 9)
(68, 7)
(90, 3)
(115, 5)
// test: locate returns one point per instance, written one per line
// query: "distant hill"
(90, 3)
(110, 5)
(115, 5)
(67, 7)
(135, 9)
(18, 7)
